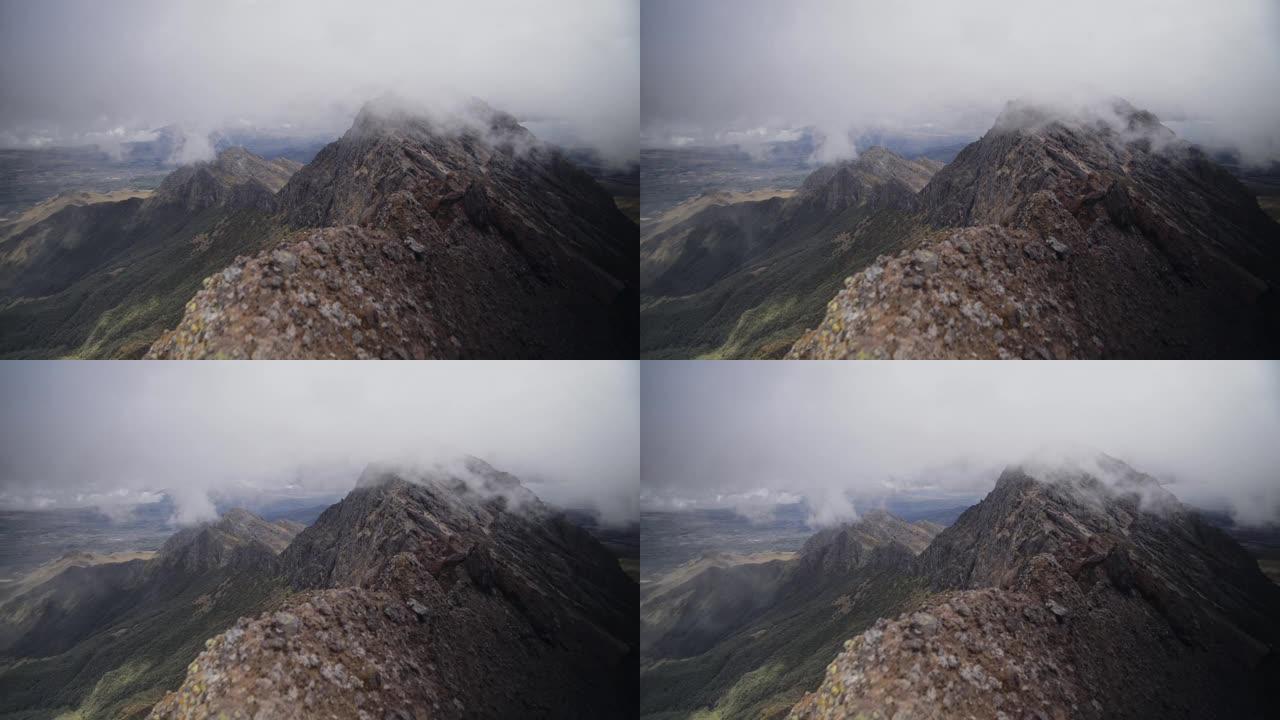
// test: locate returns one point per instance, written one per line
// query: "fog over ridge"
(754, 434)
(716, 68)
(112, 434)
(84, 72)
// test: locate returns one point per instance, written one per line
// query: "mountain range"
(1055, 235)
(448, 593)
(411, 236)
(1081, 589)
(105, 637)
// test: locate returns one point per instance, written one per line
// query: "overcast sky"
(715, 66)
(82, 69)
(745, 433)
(77, 434)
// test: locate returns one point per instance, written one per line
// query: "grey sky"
(714, 66)
(746, 433)
(111, 433)
(81, 69)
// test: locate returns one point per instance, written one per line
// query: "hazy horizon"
(747, 436)
(722, 72)
(112, 435)
(77, 72)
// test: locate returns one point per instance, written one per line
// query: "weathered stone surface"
(1072, 590)
(468, 236)
(389, 619)
(1114, 242)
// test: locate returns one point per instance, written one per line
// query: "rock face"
(983, 653)
(236, 178)
(238, 539)
(848, 546)
(744, 279)
(497, 244)
(877, 176)
(343, 292)
(1071, 591)
(450, 594)
(1093, 236)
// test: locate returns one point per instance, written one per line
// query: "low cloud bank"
(75, 71)
(845, 435)
(720, 66)
(105, 434)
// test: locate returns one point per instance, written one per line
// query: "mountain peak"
(241, 523)
(377, 474)
(432, 236)
(877, 175)
(1067, 583)
(850, 545)
(236, 177)
(1076, 209)
(391, 115)
(439, 594)
(238, 537)
(1113, 115)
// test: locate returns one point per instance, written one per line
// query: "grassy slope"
(763, 669)
(47, 208)
(121, 307)
(122, 669)
(760, 311)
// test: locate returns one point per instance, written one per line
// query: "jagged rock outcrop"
(346, 292)
(238, 538)
(848, 546)
(498, 246)
(236, 178)
(1071, 590)
(1098, 235)
(878, 176)
(982, 653)
(454, 593)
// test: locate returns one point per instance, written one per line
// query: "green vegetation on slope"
(122, 305)
(762, 309)
(128, 663)
(764, 668)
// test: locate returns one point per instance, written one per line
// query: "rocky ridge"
(981, 653)
(1115, 601)
(849, 545)
(876, 176)
(454, 593)
(346, 292)
(505, 248)
(235, 177)
(1098, 235)
(237, 538)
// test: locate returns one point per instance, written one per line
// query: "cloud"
(845, 66)
(69, 68)
(843, 435)
(75, 432)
